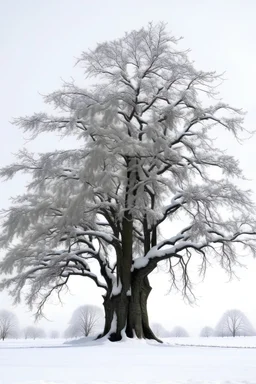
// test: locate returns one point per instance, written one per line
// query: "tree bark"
(127, 314)
(137, 322)
(116, 311)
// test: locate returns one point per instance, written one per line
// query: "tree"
(84, 321)
(179, 332)
(234, 323)
(26, 332)
(54, 334)
(145, 160)
(31, 332)
(207, 332)
(159, 330)
(8, 324)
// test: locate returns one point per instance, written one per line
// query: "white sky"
(39, 42)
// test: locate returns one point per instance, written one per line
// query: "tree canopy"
(146, 158)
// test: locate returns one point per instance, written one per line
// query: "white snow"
(117, 288)
(228, 342)
(129, 362)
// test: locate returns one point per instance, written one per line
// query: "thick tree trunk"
(127, 314)
(137, 322)
(116, 311)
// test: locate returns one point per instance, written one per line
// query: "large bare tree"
(145, 161)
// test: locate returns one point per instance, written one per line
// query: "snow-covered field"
(129, 362)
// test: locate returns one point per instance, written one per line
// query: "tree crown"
(146, 158)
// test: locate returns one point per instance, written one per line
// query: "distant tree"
(145, 157)
(54, 334)
(68, 333)
(29, 332)
(159, 330)
(207, 332)
(84, 321)
(8, 324)
(32, 332)
(179, 332)
(26, 332)
(234, 323)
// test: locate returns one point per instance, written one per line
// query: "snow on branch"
(146, 160)
(175, 247)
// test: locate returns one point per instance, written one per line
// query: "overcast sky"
(40, 40)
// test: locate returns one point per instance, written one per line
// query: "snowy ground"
(130, 362)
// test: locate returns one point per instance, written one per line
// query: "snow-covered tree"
(207, 332)
(8, 324)
(179, 331)
(84, 321)
(145, 159)
(234, 323)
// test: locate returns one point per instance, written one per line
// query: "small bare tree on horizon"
(179, 332)
(84, 321)
(159, 330)
(234, 323)
(54, 334)
(8, 324)
(32, 332)
(207, 332)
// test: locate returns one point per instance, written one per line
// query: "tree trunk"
(116, 312)
(137, 322)
(127, 314)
